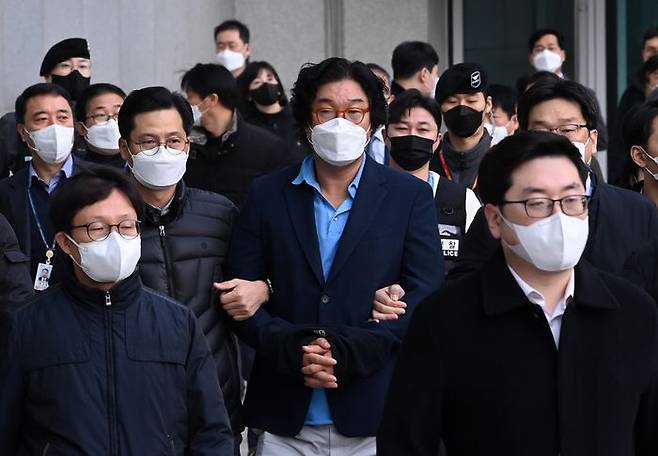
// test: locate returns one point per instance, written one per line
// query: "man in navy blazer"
(327, 234)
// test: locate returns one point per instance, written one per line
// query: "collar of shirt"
(67, 169)
(233, 128)
(165, 209)
(307, 175)
(379, 134)
(433, 180)
(536, 297)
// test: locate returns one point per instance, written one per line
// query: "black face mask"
(74, 83)
(266, 94)
(411, 152)
(463, 121)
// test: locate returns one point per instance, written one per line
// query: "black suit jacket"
(15, 207)
(620, 222)
(480, 369)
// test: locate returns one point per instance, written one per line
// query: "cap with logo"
(461, 78)
(64, 50)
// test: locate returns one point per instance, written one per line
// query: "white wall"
(136, 43)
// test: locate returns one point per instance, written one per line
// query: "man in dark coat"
(185, 231)
(537, 353)
(100, 364)
(620, 221)
(227, 153)
(44, 114)
(15, 283)
(327, 234)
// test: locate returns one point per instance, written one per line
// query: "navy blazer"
(390, 237)
(15, 207)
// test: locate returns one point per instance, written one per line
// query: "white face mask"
(52, 144)
(110, 260)
(230, 60)
(498, 134)
(547, 61)
(160, 169)
(581, 148)
(338, 141)
(197, 113)
(552, 244)
(104, 137)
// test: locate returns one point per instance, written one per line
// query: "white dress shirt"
(535, 297)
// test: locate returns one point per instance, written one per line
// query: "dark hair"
(36, 90)
(650, 34)
(409, 99)
(637, 125)
(92, 92)
(249, 74)
(647, 68)
(536, 36)
(86, 188)
(233, 24)
(313, 76)
(410, 57)
(151, 99)
(498, 165)
(374, 67)
(503, 97)
(525, 82)
(560, 89)
(208, 78)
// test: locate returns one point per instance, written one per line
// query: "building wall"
(135, 43)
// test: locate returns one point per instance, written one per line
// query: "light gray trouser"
(315, 440)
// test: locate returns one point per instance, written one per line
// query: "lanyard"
(50, 251)
(446, 170)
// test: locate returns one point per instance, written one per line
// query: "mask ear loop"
(27, 143)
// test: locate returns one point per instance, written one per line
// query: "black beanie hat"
(64, 50)
(461, 78)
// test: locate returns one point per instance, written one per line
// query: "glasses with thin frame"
(573, 205)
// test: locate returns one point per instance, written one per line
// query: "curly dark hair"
(313, 76)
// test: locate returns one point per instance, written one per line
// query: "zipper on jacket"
(111, 378)
(172, 444)
(167, 264)
(45, 449)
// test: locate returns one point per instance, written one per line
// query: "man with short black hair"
(227, 153)
(185, 231)
(546, 48)
(503, 112)
(415, 66)
(102, 364)
(544, 354)
(44, 117)
(232, 45)
(67, 64)
(96, 113)
(620, 221)
(465, 105)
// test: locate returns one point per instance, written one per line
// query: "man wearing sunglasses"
(537, 352)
